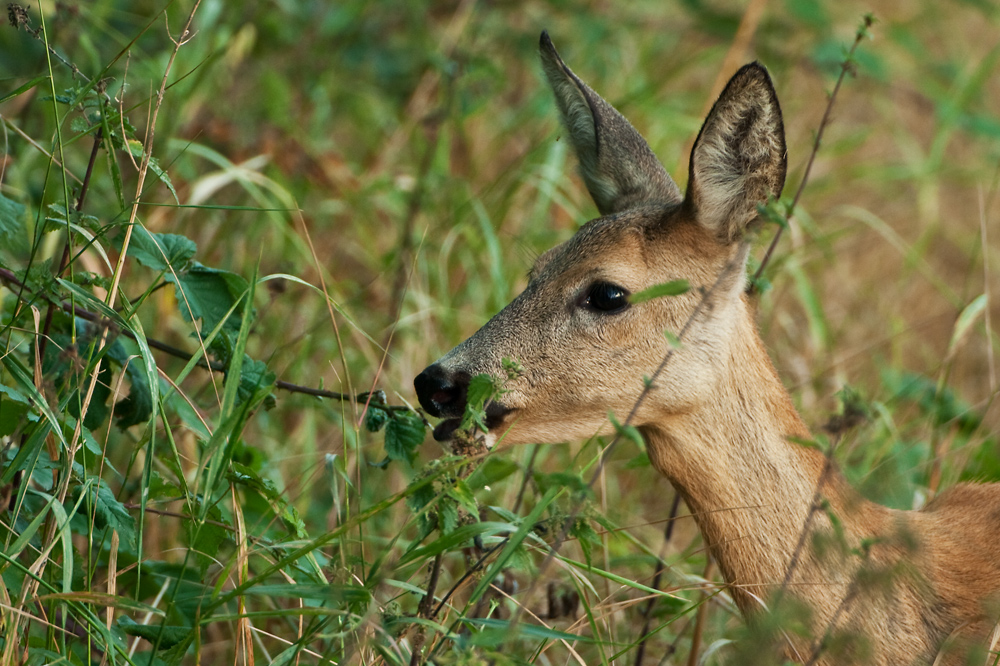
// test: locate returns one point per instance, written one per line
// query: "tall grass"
(335, 195)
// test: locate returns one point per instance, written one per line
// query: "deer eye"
(606, 297)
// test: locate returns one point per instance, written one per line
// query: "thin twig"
(10, 277)
(68, 246)
(424, 609)
(846, 66)
(814, 507)
(699, 618)
(661, 567)
(528, 471)
(468, 574)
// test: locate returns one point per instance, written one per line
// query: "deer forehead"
(634, 250)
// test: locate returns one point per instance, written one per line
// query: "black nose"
(440, 392)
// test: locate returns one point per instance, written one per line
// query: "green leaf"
(137, 406)
(559, 480)
(161, 252)
(254, 375)
(375, 419)
(113, 513)
(447, 515)
(448, 542)
(672, 288)
(12, 223)
(210, 295)
(207, 537)
(525, 528)
(492, 470)
(248, 478)
(403, 435)
(461, 493)
(627, 431)
(13, 410)
(163, 636)
(482, 389)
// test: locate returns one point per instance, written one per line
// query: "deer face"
(584, 348)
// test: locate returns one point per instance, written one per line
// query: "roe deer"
(717, 421)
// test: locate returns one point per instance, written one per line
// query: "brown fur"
(718, 423)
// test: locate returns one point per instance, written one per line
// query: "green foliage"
(672, 288)
(403, 434)
(334, 194)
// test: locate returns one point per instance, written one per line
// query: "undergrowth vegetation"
(230, 236)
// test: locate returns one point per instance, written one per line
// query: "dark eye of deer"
(606, 297)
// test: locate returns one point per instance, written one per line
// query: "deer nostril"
(441, 393)
(443, 397)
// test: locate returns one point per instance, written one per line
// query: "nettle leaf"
(567, 480)
(133, 409)
(208, 294)
(375, 419)
(254, 375)
(14, 409)
(447, 515)
(59, 220)
(163, 636)
(206, 539)
(248, 478)
(586, 537)
(13, 224)
(161, 252)
(64, 361)
(672, 288)
(481, 389)
(137, 406)
(461, 493)
(416, 502)
(403, 434)
(112, 513)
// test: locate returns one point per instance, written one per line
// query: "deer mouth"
(496, 414)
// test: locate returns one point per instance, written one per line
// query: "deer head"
(585, 349)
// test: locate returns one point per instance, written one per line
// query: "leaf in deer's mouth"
(495, 415)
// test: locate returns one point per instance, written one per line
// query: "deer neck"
(748, 486)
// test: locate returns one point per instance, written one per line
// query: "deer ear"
(616, 163)
(738, 159)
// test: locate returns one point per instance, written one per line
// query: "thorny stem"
(846, 66)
